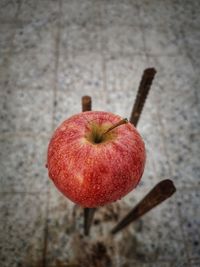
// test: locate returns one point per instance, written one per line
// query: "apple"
(95, 158)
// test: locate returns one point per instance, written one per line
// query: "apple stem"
(123, 121)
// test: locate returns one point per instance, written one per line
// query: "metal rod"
(143, 90)
(88, 217)
(86, 103)
(158, 194)
(88, 212)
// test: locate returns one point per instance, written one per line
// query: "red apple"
(92, 167)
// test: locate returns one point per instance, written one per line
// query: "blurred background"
(51, 54)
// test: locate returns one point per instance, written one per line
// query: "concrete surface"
(52, 53)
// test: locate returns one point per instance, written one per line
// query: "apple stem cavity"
(123, 121)
(99, 134)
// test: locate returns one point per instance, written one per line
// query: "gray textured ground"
(52, 53)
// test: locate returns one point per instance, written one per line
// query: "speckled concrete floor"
(52, 53)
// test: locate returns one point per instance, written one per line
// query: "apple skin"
(95, 174)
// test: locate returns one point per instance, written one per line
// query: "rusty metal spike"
(88, 212)
(158, 194)
(143, 90)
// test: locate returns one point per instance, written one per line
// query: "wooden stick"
(143, 90)
(88, 212)
(158, 194)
